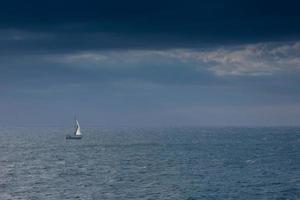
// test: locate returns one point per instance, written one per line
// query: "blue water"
(170, 163)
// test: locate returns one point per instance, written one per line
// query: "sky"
(141, 63)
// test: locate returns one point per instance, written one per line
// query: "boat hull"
(74, 137)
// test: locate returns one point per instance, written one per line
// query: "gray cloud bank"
(239, 60)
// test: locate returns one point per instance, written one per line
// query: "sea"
(176, 163)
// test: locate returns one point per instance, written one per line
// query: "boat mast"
(75, 125)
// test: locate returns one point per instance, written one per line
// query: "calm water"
(173, 163)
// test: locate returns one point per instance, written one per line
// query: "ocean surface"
(150, 163)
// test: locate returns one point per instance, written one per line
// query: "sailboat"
(77, 133)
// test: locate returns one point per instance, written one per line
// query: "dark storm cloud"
(80, 25)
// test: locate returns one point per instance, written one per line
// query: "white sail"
(77, 129)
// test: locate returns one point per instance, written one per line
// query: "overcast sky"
(150, 63)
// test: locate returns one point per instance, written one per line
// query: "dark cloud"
(81, 25)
